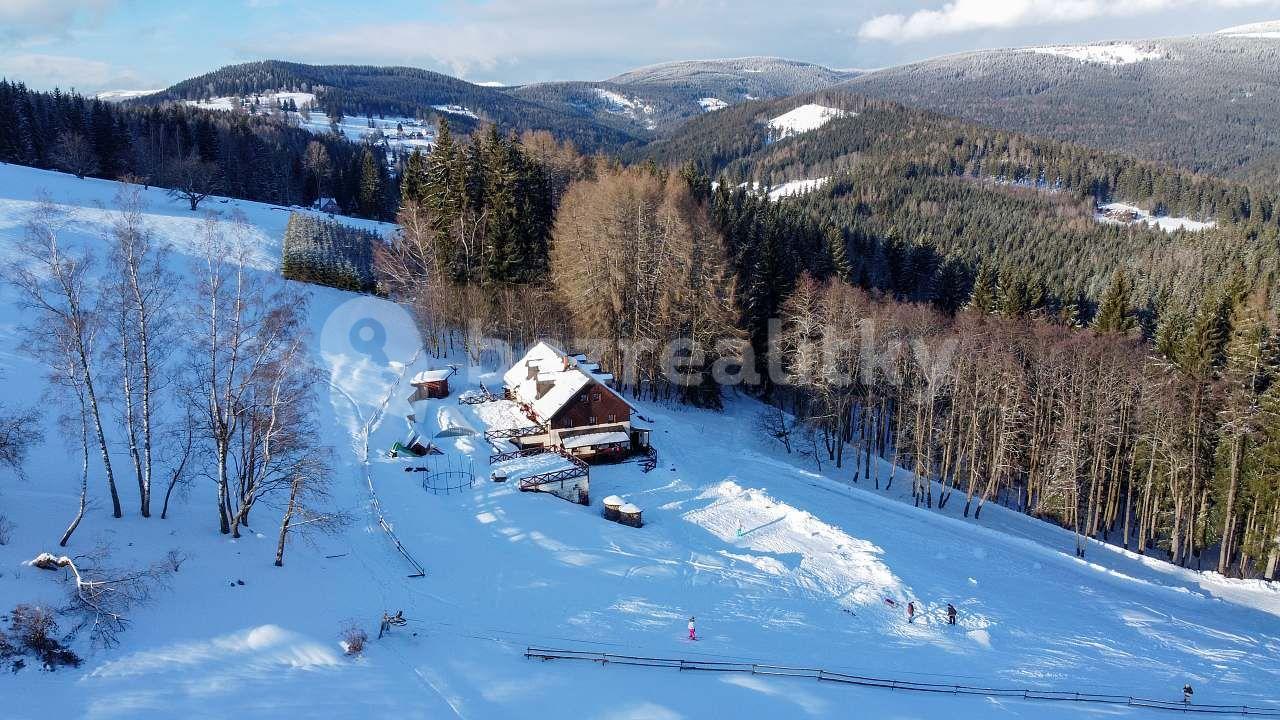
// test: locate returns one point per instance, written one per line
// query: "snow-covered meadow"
(1104, 53)
(804, 119)
(779, 561)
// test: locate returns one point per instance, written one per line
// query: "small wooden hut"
(431, 384)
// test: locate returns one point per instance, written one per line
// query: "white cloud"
(960, 16)
(21, 18)
(39, 70)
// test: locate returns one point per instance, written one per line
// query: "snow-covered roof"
(598, 438)
(564, 387)
(543, 356)
(559, 384)
(433, 375)
(613, 500)
(629, 509)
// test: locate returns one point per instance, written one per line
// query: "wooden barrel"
(630, 515)
(612, 505)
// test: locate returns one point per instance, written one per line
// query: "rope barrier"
(819, 674)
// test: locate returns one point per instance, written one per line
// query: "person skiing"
(693, 629)
(951, 614)
(1187, 692)
(911, 612)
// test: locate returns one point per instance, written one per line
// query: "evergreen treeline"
(326, 252)
(206, 152)
(492, 203)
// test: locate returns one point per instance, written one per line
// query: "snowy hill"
(780, 562)
(658, 99)
(1204, 102)
(1268, 29)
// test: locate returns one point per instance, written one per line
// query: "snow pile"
(1268, 29)
(1108, 54)
(796, 187)
(796, 548)
(1118, 213)
(710, 104)
(805, 118)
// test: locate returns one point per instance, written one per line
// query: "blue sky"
(142, 44)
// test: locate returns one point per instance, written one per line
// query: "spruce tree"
(1114, 311)
(983, 297)
(370, 193)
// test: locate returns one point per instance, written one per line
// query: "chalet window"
(595, 397)
(591, 420)
(568, 423)
(613, 418)
(582, 397)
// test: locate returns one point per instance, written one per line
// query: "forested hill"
(1206, 103)
(402, 91)
(898, 182)
(657, 100)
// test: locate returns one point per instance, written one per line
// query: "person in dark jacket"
(951, 614)
(911, 612)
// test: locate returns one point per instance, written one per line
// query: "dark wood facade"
(595, 404)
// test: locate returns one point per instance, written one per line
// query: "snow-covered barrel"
(630, 515)
(612, 505)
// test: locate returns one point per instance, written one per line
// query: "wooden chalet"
(573, 401)
(431, 384)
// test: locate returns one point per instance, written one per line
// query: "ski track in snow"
(804, 583)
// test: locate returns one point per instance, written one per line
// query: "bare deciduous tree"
(54, 285)
(141, 298)
(192, 179)
(74, 153)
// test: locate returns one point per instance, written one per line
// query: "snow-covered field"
(710, 104)
(803, 119)
(1118, 213)
(1104, 54)
(796, 187)
(779, 562)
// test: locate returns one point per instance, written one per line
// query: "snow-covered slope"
(1268, 29)
(803, 119)
(1105, 53)
(779, 562)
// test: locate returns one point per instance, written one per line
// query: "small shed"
(431, 384)
(630, 515)
(612, 505)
